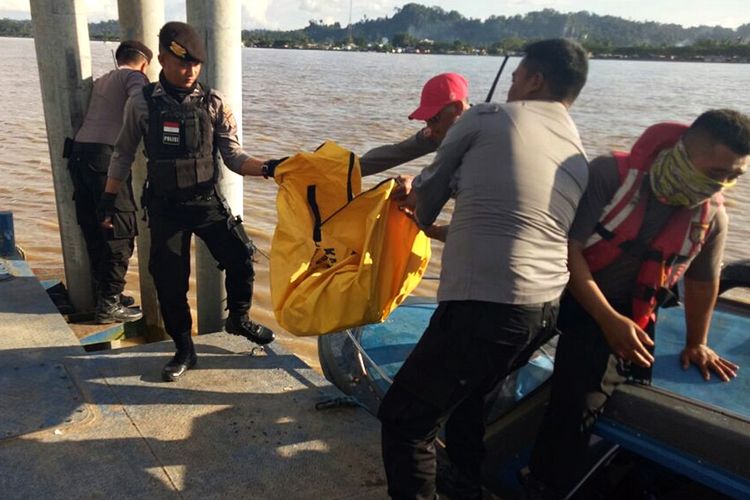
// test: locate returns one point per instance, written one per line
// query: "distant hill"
(11, 27)
(420, 22)
(415, 22)
(105, 30)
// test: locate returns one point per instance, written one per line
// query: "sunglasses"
(436, 118)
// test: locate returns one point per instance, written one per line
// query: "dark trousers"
(109, 258)
(110, 250)
(172, 223)
(585, 376)
(466, 350)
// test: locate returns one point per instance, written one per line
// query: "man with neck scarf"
(647, 217)
(184, 125)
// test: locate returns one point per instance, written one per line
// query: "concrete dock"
(243, 424)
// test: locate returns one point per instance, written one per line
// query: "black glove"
(106, 207)
(269, 167)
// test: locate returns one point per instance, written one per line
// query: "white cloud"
(18, 5)
(717, 20)
(373, 9)
(320, 6)
(294, 14)
(101, 10)
(255, 12)
(15, 9)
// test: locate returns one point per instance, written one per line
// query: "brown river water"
(295, 100)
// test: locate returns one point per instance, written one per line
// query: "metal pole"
(141, 20)
(497, 77)
(7, 235)
(61, 39)
(218, 22)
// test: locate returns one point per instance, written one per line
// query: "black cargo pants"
(467, 349)
(585, 376)
(109, 250)
(172, 223)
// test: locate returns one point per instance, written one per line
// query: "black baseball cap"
(182, 41)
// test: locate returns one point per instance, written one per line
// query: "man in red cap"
(444, 98)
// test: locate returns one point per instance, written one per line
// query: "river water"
(295, 100)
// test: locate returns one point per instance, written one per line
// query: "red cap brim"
(425, 112)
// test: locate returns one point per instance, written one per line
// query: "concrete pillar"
(219, 24)
(61, 38)
(141, 20)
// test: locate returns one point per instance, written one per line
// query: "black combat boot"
(450, 481)
(533, 488)
(183, 360)
(110, 310)
(126, 300)
(240, 324)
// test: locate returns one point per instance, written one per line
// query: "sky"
(294, 14)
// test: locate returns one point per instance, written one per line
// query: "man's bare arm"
(625, 338)
(700, 298)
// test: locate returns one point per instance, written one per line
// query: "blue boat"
(680, 427)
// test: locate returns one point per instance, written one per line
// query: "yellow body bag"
(339, 258)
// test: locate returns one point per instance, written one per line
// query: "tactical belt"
(92, 147)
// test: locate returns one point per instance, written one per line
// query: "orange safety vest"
(666, 257)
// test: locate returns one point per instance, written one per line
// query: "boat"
(677, 428)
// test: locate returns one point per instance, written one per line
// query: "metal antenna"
(497, 77)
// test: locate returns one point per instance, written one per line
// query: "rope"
(374, 365)
(264, 254)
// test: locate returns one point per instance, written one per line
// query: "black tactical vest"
(181, 153)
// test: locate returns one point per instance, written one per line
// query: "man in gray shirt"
(518, 171)
(109, 250)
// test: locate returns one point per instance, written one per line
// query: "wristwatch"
(264, 170)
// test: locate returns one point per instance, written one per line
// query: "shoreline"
(603, 56)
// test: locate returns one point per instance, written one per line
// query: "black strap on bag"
(316, 213)
(349, 191)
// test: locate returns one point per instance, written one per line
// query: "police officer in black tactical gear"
(184, 126)
(109, 250)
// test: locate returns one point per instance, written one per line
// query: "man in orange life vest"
(646, 217)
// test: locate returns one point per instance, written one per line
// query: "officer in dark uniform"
(184, 126)
(109, 250)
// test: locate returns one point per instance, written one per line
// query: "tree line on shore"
(431, 30)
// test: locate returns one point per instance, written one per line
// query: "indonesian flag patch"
(170, 133)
